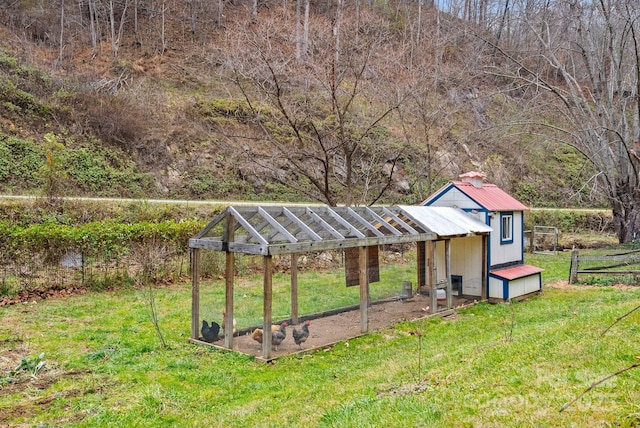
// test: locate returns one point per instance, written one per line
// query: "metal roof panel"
(490, 197)
(445, 221)
(515, 272)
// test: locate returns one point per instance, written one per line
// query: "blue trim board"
(488, 267)
(505, 289)
(446, 189)
(522, 235)
(478, 210)
(504, 214)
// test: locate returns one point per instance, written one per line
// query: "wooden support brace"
(294, 288)
(195, 293)
(364, 289)
(267, 314)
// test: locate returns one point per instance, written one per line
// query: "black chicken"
(302, 335)
(278, 335)
(210, 333)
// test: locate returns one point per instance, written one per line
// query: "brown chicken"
(224, 323)
(257, 333)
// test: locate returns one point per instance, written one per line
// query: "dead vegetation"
(142, 92)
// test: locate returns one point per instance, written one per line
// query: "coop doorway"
(456, 285)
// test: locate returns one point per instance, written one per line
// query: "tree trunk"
(589, 61)
(626, 212)
(298, 30)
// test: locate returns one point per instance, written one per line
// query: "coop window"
(506, 228)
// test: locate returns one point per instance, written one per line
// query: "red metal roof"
(515, 272)
(490, 196)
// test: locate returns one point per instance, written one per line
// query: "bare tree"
(323, 128)
(61, 30)
(93, 24)
(116, 38)
(583, 63)
(302, 29)
(151, 258)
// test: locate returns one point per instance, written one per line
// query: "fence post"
(573, 276)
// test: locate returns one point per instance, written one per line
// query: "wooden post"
(228, 294)
(267, 306)
(485, 262)
(195, 293)
(532, 240)
(447, 261)
(433, 291)
(420, 268)
(364, 289)
(573, 276)
(294, 288)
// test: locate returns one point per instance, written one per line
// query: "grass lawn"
(490, 365)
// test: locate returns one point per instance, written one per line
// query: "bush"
(571, 221)
(20, 161)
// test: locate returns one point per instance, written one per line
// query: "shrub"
(571, 221)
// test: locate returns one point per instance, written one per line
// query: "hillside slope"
(201, 109)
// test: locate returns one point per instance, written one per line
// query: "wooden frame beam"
(294, 288)
(383, 222)
(248, 227)
(353, 230)
(364, 222)
(291, 216)
(277, 226)
(267, 306)
(432, 275)
(229, 273)
(364, 289)
(326, 226)
(398, 220)
(195, 293)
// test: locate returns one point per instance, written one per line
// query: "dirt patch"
(325, 331)
(50, 293)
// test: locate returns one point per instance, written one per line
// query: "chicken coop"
(268, 231)
(508, 276)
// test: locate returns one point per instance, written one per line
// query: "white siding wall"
(495, 288)
(455, 198)
(517, 287)
(466, 261)
(504, 253)
(522, 286)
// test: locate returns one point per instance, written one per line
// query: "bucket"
(407, 289)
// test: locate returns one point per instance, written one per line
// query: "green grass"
(556, 267)
(318, 290)
(492, 365)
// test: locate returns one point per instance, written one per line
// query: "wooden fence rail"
(612, 261)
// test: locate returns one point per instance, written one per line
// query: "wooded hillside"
(345, 102)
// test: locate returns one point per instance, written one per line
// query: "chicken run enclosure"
(355, 233)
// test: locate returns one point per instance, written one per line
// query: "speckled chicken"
(279, 335)
(301, 335)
